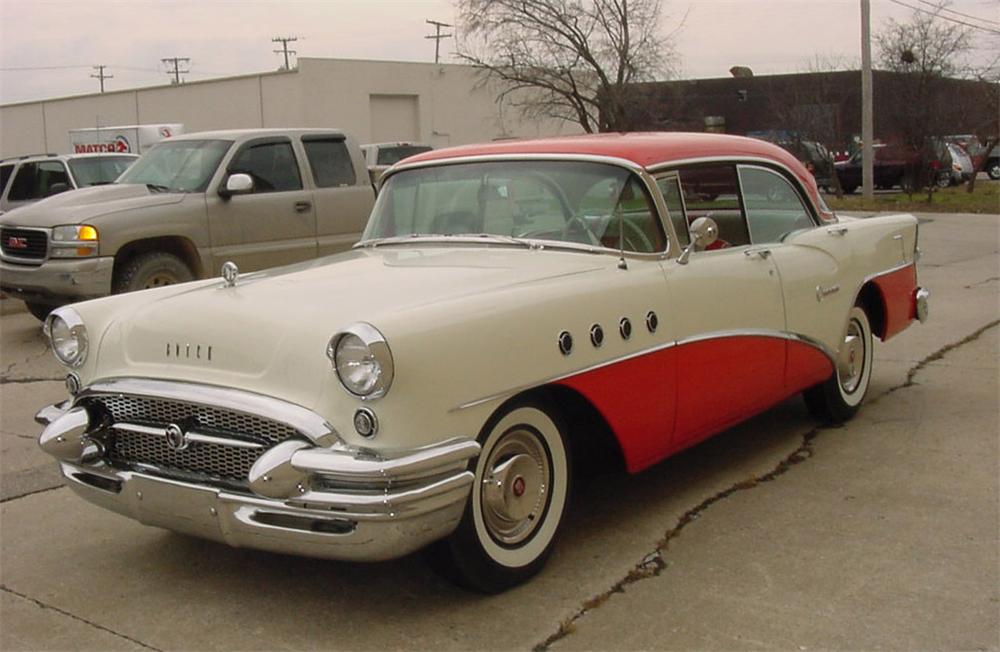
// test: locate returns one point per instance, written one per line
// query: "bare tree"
(575, 60)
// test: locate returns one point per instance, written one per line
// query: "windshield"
(561, 201)
(99, 170)
(393, 155)
(178, 166)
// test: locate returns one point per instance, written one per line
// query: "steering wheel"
(576, 230)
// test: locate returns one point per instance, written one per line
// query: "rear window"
(393, 155)
(330, 162)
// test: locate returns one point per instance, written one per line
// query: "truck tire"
(151, 270)
(39, 310)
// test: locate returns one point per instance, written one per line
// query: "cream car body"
(667, 347)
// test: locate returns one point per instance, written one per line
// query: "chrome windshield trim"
(749, 332)
(303, 420)
(494, 158)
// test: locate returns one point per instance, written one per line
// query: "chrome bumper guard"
(921, 296)
(336, 501)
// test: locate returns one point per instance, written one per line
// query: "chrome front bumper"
(335, 501)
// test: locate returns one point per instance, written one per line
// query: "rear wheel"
(838, 399)
(151, 270)
(521, 489)
(993, 169)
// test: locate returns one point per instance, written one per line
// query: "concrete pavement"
(776, 534)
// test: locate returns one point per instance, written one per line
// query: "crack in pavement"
(983, 282)
(30, 358)
(32, 493)
(78, 618)
(35, 379)
(653, 564)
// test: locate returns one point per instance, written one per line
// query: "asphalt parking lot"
(774, 535)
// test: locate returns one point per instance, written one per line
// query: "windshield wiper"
(155, 187)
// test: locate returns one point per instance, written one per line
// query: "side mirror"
(57, 188)
(238, 183)
(704, 231)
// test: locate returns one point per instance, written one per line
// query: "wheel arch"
(175, 245)
(872, 301)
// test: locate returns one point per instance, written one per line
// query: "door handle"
(837, 230)
(302, 206)
(763, 252)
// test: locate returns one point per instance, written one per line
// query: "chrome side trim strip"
(872, 277)
(749, 332)
(351, 468)
(305, 421)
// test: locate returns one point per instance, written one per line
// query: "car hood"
(262, 325)
(86, 204)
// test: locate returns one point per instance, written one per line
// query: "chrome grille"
(24, 243)
(226, 463)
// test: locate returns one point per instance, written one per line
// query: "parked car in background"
(258, 197)
(815, 157)
(31, 178)
(380, 156)
(896, 165)
(961, 164)
(992, 166)
(513, 309)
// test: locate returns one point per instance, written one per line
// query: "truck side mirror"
(236, 184)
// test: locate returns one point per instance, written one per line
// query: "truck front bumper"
(58, 281)
(300, 497)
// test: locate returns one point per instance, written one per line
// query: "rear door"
(342, 194)
(273, 225)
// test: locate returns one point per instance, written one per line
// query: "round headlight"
(362, 360)
(68, 336)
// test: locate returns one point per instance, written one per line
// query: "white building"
(441, 104)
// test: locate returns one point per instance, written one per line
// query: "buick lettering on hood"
(511, 310)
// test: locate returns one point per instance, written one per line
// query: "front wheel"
(837, 399)
(520, 493)
(39, 311)
(993, 169)
(151, 270)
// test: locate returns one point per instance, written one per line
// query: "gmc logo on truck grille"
(17, 243)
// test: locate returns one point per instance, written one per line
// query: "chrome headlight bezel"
(64, 325)
(377, 358)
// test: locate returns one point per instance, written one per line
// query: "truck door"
(341, 192)
(275, 224)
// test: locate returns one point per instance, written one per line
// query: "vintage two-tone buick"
(511, 309)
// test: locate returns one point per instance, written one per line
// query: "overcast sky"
(47, 48)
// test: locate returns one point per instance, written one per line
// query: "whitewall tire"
(838, 399)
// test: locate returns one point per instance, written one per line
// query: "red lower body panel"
(662, 402)
(899, 298)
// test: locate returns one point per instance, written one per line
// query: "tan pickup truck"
(257, 197)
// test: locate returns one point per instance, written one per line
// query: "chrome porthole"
(625, 328)
(596, 335)
(652, 321)
(565, 343)
(851, 358)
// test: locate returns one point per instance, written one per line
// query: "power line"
(285, 40)
(958, 13)
(25, 68)
(948, 18)
(100, 75)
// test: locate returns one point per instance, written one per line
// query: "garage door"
(394, 118)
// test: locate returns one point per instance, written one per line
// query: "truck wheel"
(993, 169)
(518, 499)
(39, 310)
(151, 270)
(838, 398)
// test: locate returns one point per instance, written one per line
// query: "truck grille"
(28, 244)
(211, 462)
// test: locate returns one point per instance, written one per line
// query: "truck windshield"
(179, 165)
(99, 170)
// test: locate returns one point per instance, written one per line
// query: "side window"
(271, 165)
(670, 187)
(330, 161)
(713, 191)
(773, 207)
(36, 180)
(5, 172)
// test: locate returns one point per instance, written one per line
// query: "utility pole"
(100, 75)
(176, 72)
(285, 40)
(867, 135)
(437, 36)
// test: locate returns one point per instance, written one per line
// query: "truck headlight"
(362, 360)
(68, 336)
(74, 241)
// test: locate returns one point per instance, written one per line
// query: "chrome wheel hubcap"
(851, 359)
(515, 487)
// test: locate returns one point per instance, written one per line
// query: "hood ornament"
(231, 273)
